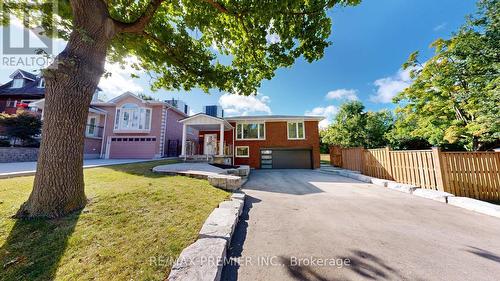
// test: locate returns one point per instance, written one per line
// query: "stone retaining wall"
(204, 259)
(18, 154)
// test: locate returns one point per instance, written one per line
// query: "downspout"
(234, 148)
(164, 129)
(104, 133)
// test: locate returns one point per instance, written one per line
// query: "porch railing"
(93, 131)
(194, 148)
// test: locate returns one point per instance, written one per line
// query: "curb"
(440, 196)
(204, 259)
(475, 205)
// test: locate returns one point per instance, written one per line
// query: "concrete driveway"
(306, 225)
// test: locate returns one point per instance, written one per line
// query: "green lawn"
(325, 159)
(135, 223)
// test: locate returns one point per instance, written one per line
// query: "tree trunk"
(70, 83)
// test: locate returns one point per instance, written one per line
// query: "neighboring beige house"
(130, 127)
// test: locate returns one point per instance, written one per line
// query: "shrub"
(23, 126)
(4, 143)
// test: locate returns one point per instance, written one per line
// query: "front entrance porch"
(213, 143)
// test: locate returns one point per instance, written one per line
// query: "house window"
(11, 103)
(132, 117)
(27, 101)
(92, 126)
(42, 83)
(250, 131)
(242, 151)
(17, 83)
(296, 130)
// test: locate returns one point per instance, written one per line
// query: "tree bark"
(70, 83)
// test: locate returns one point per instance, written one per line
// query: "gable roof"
(113, 101)
(29, 89)
(204, 116)
(24, 74)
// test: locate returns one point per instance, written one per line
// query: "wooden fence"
(468, 174)
(415, 167)
(352, 159)
(472, 174)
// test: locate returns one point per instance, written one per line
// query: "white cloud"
(389, 87)
(244, 105)
(440, 26)
(273, 38)
(348, 94)
(120, 80)
(328, 112)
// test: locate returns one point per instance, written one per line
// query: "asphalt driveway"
(307, 225)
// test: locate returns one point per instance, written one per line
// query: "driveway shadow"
(364, 266)
(484, 253)
(230, 270)
(33, 249)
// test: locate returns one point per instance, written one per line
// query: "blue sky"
(370, 42)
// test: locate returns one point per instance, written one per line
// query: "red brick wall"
(92, 147)
(276, 137)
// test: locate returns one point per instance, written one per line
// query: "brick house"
(267, 142)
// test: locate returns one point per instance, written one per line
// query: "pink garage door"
(132, 147)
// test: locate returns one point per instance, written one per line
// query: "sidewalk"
(17, 169)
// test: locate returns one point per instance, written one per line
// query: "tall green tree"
(179, 42)
(347, 129)
(400, 136)
(353, 127)
(378, 124)
(455, 95)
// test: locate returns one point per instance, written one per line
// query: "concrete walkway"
(304, 225)
(28, 168)
(203, 169)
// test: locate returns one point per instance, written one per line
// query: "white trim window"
(17, 83)
(27, 101)
(131, 117)
(92, 124)
(296, 130)
(42, 83)
(251, 131)
(242, 151)
(11, 103)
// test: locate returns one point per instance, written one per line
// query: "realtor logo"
(30, 42)
(23, 41)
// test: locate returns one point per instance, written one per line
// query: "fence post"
(389, 162)
(438, 166)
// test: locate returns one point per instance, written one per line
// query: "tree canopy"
(353, 127)
(455, 96)
(227, 45)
